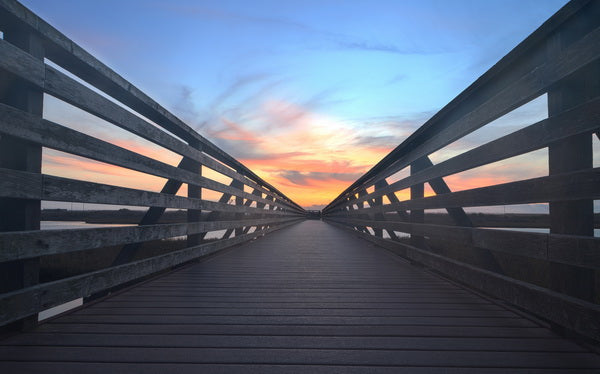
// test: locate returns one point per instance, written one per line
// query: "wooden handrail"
(28, 41)
(559, 268)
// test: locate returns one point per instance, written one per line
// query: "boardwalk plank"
(327, 303)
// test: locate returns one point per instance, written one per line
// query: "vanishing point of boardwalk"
(388, 277)
(307, 299)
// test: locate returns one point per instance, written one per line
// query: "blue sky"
(343, 81)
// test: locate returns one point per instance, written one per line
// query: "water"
(536, 230)
(61, 225)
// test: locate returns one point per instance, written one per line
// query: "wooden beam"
(24, 185)
(20, 245)
(214, 215)
(580, 251)
(21, 154)
(583, 119)
(574, 217)
(20, 303)
(70, 56)
(151, 217)
(494, 94)
(578, 315)
(439, 186)
(26, 126)
(567, 186)
(417, 191)
(194, 192)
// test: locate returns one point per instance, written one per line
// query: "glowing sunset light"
(308, 94)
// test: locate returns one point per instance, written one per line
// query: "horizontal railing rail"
(553, 274)
(38, 60)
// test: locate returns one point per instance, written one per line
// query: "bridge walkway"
(309, 298)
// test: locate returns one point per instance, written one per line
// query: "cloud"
(307, 178)
(228, 16)
(396, 79)
(310, 156)
(369, 46)
(236, 86)
(329, 39)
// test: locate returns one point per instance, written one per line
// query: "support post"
(194, 215)
(21, 214)
(239, 201)
(417, 191)
(574, 153)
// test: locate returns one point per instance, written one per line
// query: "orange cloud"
(307, 155)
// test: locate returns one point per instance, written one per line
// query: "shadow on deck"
(308, 298)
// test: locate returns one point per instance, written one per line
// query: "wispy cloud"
(329, 39)
(370, 46)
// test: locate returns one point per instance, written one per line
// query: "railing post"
(239, 201)
(378, 201)
(417, 191)
(574, 217)
(21, 214)
(194, 215)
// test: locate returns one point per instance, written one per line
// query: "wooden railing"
(554, 275)
(30, 50)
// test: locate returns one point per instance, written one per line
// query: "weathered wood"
(29, 244)
(22, 128)
(574, 250)
(194, 192)
(72, 57)
(575, 314)
(20, 184)
(52, 135)
(378, 201)
(417, 191)
(439, 186)
(515, 92)
(48, 134)
(583, 119)
(214, 215)
(239, 202)
(248, 203)
(151, 217)
(526, 244)
(63, 189)
(67, 89)
(23, 155)
(272, 302)
(24, 302)
(20, 63)
(567, 186)
(575, 217)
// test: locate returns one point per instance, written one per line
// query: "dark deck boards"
(307, 299)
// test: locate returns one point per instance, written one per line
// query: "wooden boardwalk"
(309, 298)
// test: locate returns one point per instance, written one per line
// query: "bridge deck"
(309, 298)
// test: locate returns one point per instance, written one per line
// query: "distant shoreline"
(126, 216)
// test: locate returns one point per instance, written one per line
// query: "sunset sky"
(308, 94)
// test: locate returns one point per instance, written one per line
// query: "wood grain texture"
(306, 299)
(529, 76)
(27, 301)
(576, 314)
(583, 119)
(70, 56)
(21, 245)
(567, 186)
